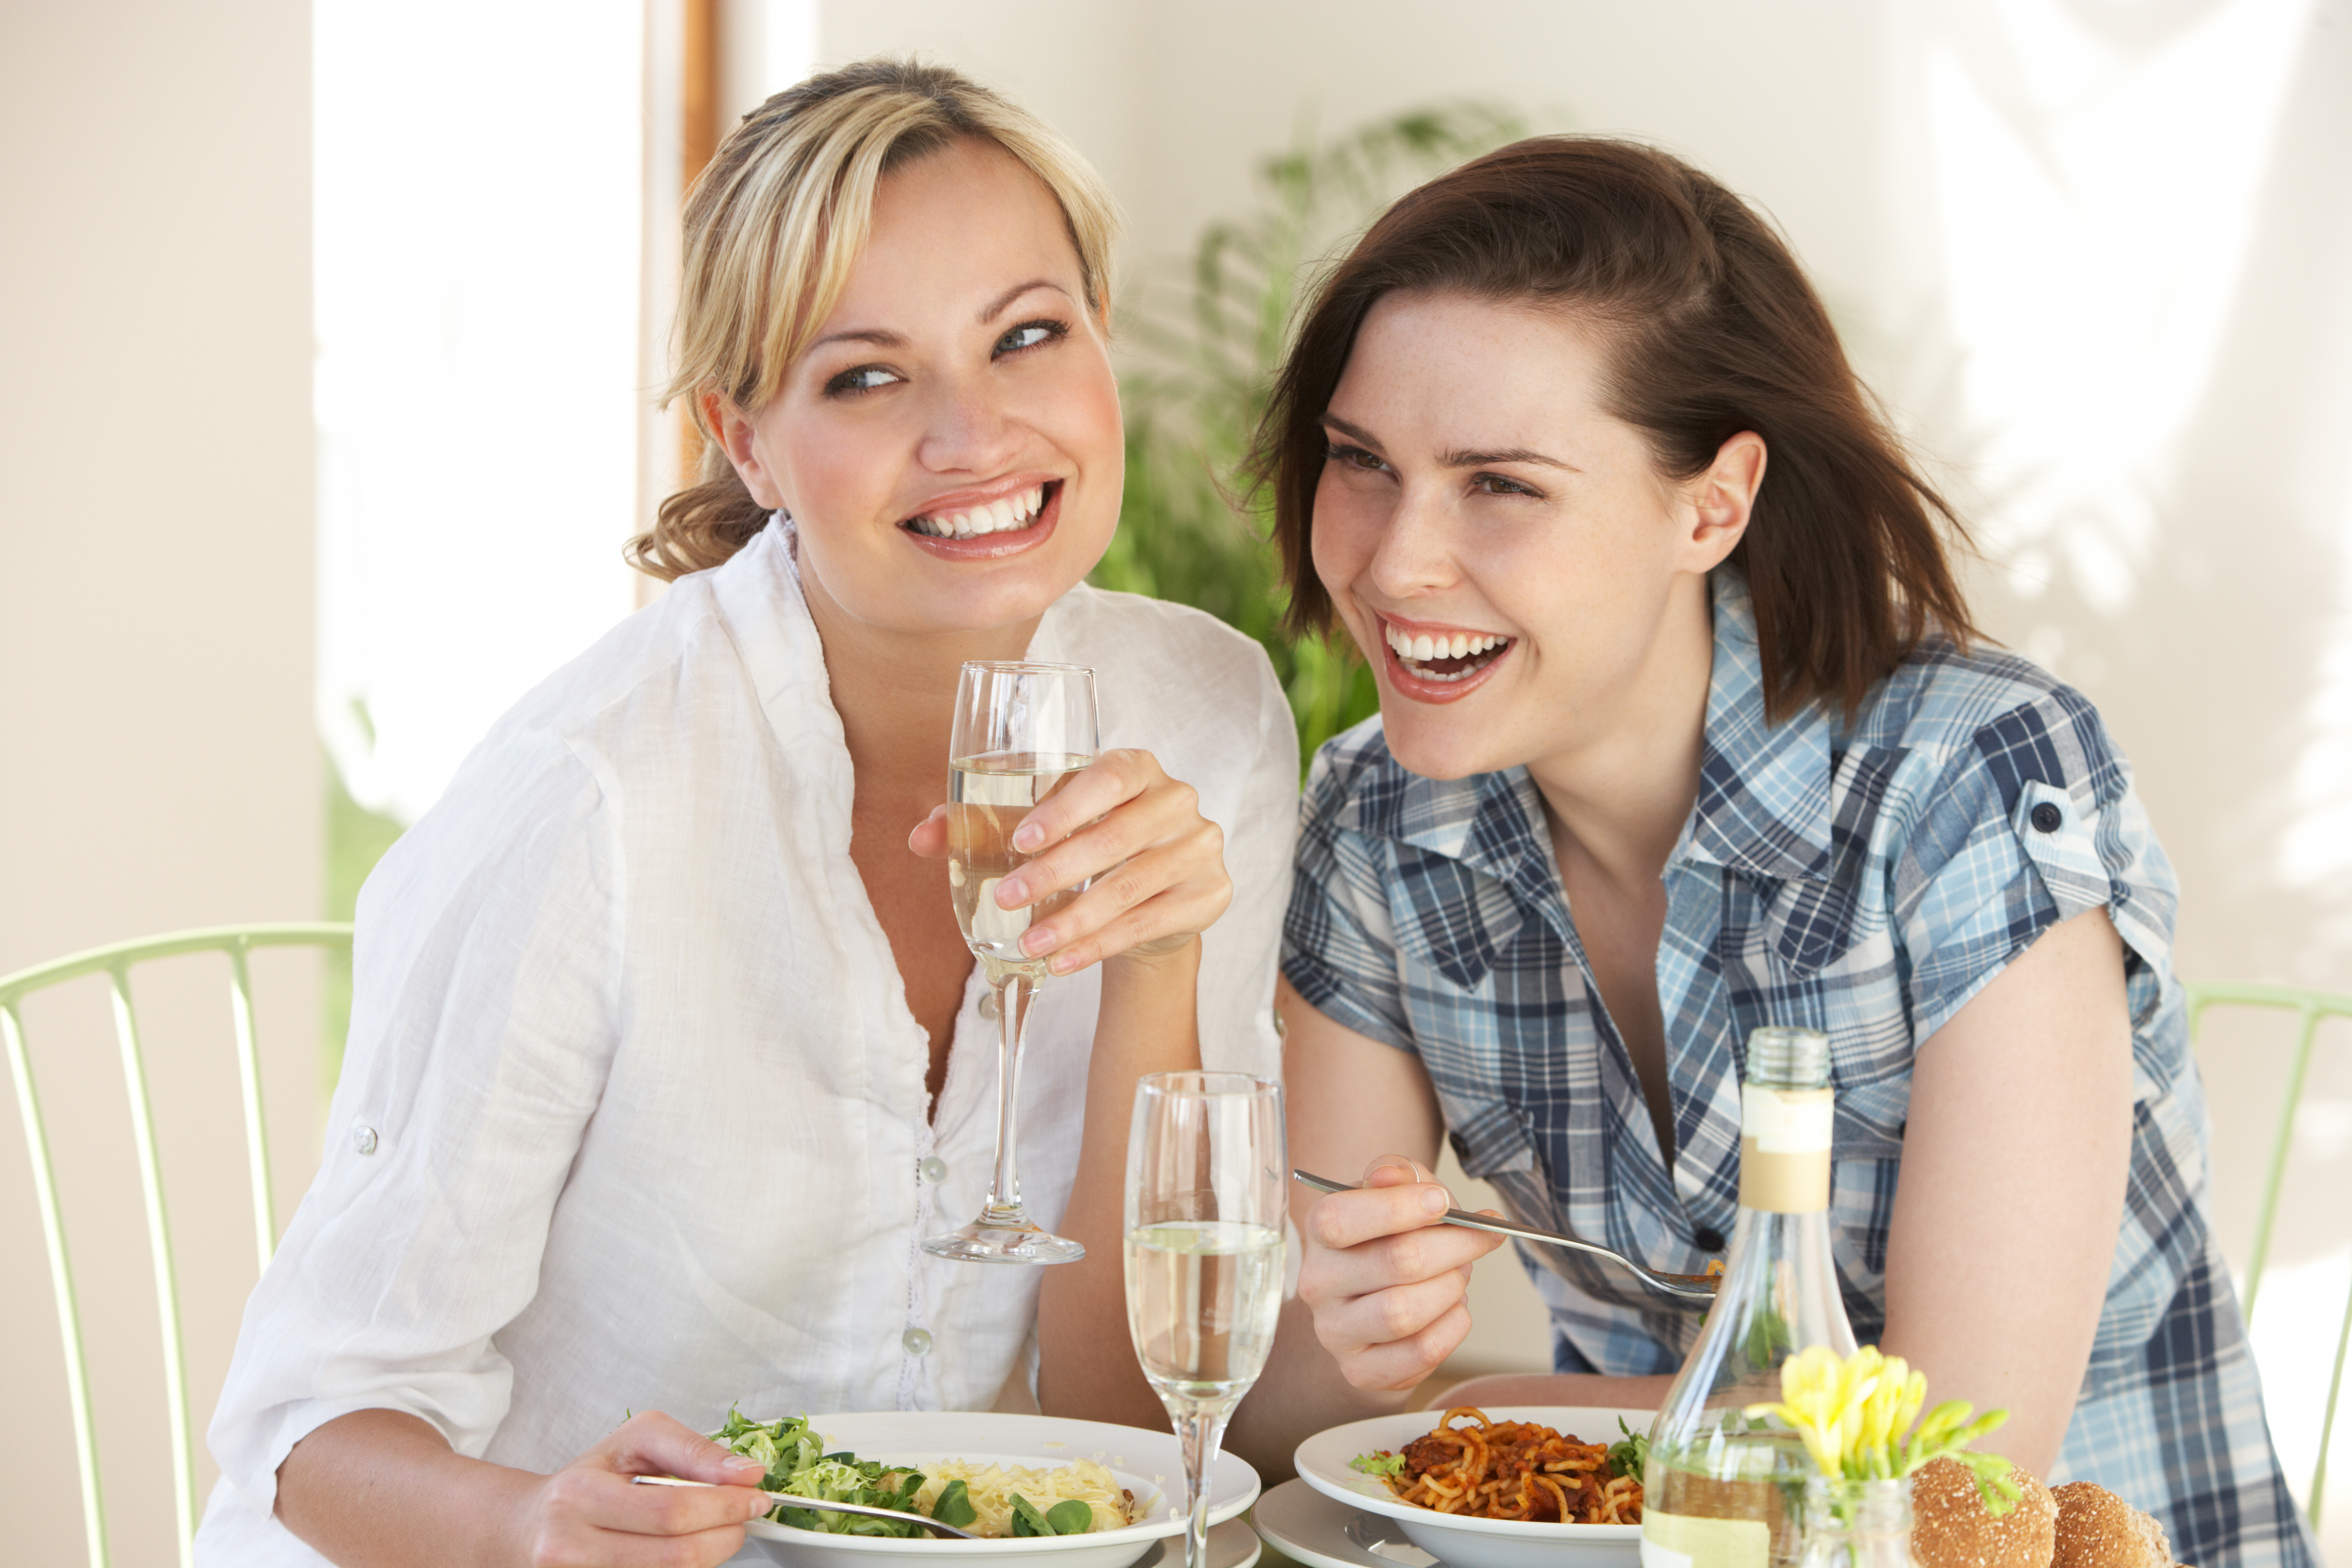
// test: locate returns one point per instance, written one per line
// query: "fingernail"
(1027, 836)
(1060, 963)
(1009, 892)
(1036, 939)
(745, 1462)
(1433, 1200)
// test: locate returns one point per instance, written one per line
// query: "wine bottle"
(1722, 1491)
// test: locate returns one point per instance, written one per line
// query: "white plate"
(1150, 1463)
(1321, 1532)
(1322, 1463)
(1233, 1545)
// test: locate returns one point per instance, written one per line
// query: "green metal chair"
(2311, 1007)
(116, 964)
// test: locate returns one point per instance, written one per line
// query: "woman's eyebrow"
(1505, 454)
(1004, 301)
(1351, 432)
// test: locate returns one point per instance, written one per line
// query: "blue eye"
(1029, 335)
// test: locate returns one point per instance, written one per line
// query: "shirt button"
(2047, 818)
(988, 1006)
(364, 1138)
(935, 1170)
(917, 1340)
(1706, 1238)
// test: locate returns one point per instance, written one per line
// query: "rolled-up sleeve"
(483, 1024)
(2033, 823)
(1339, 946)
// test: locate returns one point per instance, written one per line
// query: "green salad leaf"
(1071, 1516)
(954, 1506)
(1027, 1520)
(1630, 1454)
(797, 1463)
(1380, 1464)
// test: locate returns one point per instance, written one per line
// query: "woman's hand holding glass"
(1156, 865)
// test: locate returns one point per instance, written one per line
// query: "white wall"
(158, 768)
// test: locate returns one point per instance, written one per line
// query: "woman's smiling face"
(1501, 548)
(950, 447)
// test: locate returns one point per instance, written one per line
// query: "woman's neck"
(1625, 786)
(894, 690)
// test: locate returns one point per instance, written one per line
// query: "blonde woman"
(666, 1050)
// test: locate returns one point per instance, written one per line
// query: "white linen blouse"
(632, 1114)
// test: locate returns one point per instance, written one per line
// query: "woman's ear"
(1722, 499)
(733, 427)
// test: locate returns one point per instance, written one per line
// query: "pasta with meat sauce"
(1484, 1468)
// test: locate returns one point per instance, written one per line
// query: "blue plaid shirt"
(1863, 878)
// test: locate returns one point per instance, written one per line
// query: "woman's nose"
(1414, 553)
(966, 429)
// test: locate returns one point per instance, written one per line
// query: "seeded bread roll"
(1950, 1528)
(2096, 1529)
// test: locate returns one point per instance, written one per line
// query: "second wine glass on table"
(1207, 1185)
(1021, 731)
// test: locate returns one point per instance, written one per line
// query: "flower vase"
(1857, 1524)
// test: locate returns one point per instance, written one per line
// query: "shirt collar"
(1763, 798)
(1763, 789)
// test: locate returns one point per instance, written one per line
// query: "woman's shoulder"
(1131, 632)
(1950, 708)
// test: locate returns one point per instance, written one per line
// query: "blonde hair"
(773, 227)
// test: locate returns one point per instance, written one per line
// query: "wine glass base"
(982, 1242)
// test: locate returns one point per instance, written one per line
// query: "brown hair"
(773, 228)
(1711, 329)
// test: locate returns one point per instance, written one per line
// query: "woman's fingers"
(1155, 864)
(929, 836)
(1095, 790)
(1386, 1279)
(1170, 891)
(592, 1511)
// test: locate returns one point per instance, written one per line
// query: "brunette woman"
(1684, 728)
(666, 1051)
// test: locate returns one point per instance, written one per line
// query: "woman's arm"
(1382, 1285)
(2011, 1194)
(377, 1488)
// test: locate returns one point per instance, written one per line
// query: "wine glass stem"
(1198, 1429)
(1015, 996)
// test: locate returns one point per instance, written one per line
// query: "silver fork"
(933, 1525)
(1688, 1287)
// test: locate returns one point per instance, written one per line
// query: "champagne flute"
(1206, 1198)
(1021, 732)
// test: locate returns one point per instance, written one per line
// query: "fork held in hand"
(1687, 1287)
(933, 1525)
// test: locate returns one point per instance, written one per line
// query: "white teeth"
(993, 517)
(1420, 649)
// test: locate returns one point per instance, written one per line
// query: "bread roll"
(2096, 1529)
(1950, 1528)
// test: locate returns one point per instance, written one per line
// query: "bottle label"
(1784, 1147)
(1682, 1541)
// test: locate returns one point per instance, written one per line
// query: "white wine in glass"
(1206, 1189)
(1021, 732)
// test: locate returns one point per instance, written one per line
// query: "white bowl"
(1149, 1464)
(1459, 1542)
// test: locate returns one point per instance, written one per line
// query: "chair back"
(2311, 1008)
(116, 964)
